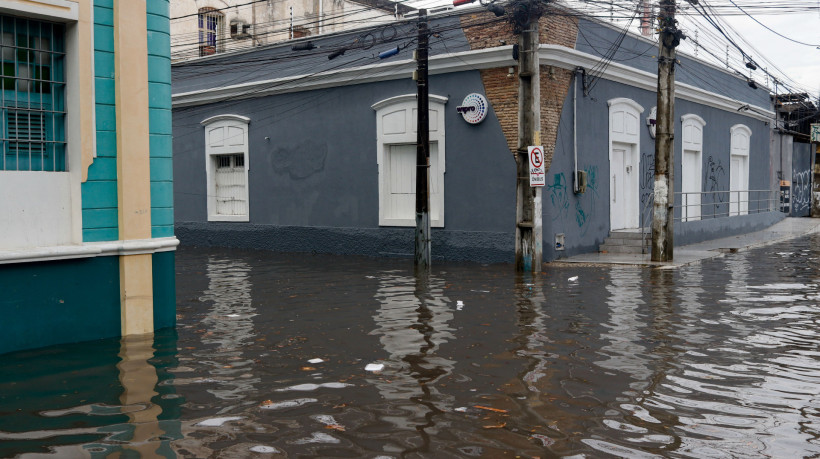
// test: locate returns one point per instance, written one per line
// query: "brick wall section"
(502, 91)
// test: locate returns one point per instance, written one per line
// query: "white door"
(623, 183)
(738, 186)
(691, 185)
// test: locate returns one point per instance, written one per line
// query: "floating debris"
(545, 440)
(316, 360)
(374, 367)
(269, 405)
(317, 437)
(573, 279)
(217, 422)
(310, 387)
(461, 409)
(497, 410)
(459, 305)
(263, 449)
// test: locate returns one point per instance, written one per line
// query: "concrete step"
(604, 248)
(625, 242)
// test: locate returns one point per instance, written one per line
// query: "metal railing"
(694, 206)
(713, 204)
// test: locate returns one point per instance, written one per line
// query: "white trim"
(226, 117)
(59, 10)
(693, 117)
(406, 135)
(90, 249)
(224, 122)
(406, 98)
(624, 101)
(554, 55)
(691, 204)
(632, 145)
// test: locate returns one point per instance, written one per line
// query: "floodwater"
(319, 356)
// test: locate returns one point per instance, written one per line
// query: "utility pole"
(664, 206)
(422, 253)
(528, 231)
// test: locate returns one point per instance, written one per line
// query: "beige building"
(204, 27)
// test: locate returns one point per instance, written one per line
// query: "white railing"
(713, 204)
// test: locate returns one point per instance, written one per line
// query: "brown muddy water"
(318, 356)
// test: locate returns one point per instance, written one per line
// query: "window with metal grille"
(210, 31)
(231, 185)
(32, 95)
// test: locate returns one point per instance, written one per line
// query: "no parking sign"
(538, 176)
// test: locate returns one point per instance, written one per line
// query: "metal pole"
(664, 206)
(422, 253)
(528, 231)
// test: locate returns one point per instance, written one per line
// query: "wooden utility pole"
(664, 207)
(422, 253)
(528, 231)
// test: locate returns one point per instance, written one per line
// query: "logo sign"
(652, 121)
(815, 132)
(538, 176)
(474, 108)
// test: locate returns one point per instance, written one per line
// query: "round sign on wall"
(474, 108)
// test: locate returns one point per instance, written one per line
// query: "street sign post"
(538, 176)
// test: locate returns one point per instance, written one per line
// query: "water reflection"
(626, 325)
(412, 323)
(228, 328)
(108, 405)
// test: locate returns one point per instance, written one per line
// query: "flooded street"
(318, 356)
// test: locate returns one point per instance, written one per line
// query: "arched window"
(396, 157)
(691, 166)
(739, 170)
(211, 25)
(226, 167)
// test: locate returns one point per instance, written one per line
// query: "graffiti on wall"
(585, 204)
(713, 173)
(647, 178)
(801, 191)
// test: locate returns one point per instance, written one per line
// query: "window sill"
(89, 250)
(228, 218)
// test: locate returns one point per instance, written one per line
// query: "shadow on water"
(316, 356)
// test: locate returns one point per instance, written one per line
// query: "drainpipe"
(291, 23)
(575, 186)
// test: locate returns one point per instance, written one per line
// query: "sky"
(800, 62)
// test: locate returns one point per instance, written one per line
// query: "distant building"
(86, 216)
(205, 27)
(308, 153)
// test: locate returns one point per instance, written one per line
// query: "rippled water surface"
(316, 356)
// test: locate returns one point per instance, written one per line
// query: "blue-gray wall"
(801, 180)
(317, 168)
(314, 178)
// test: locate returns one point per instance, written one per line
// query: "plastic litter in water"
(374, 367)
(459, 305)
(461, 409)
(310, 387)
(316, 360)
(263, 449)
(216, 422)
(268, 405)
(317, 437)
(573, 279)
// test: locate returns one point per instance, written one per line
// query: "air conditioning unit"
(240, 30)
